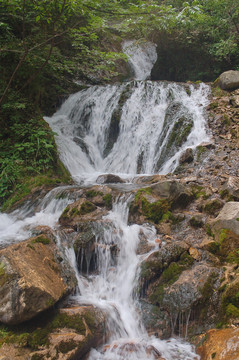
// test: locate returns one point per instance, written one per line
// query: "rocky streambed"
(188, 282)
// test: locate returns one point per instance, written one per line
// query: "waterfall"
(112, 288)
(138, 127)
(132, 128)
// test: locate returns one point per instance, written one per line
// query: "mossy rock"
(212, 207)
(230, 301)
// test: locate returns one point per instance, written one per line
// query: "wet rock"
(81, 210)
(229, 80)
(220, 344)
(174, 191)
(231, 187)
(65, 334)
(186, 157)
(154, 265)
(30, 279)
(109, 179)
(186, 292)
(228, 218)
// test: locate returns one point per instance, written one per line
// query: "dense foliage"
(46, 44)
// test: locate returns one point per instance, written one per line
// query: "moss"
(213, 105)
(194, 222)
(223, 235)
(180, 132)
(169, 276)
(230, 301)
(233, 257)
(35, 334)
(65, 346)
(86, 207)
(157, 210)
(198, 191)
(37, 357)
(41, 239)
(213, 355)
(207, 289)
(211, 207)
(200, 150)
(108, 201)
(93, 193)
(209, 230)
(3, 274)
(225, 194)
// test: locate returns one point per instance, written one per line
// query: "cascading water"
(132, 128)
(139, 127)
(112, 290)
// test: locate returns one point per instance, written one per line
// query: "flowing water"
(138, 127)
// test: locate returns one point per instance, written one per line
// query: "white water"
(83, 124)
(112, 290)
(144, 129)
(142, 56)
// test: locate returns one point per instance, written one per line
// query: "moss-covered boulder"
(65, 334)
(31, 279)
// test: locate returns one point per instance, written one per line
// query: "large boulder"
(66, 334)
(220, 344)
(228, 218)
(229, 80)
(30, 279)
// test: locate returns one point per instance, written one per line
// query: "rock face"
(229, 80)
(228, 218)
(109, 179)
(30, 279)
(219, 344)
(232, 186)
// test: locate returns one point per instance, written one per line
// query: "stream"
(128, 129)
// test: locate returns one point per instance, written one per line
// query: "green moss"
(93, 193)
(194, 222)
(65, 346)
(86, 207)
(108, 201)
(3, 274)
(200, 150)
(213, 355)
(230, 301)
(41, 239)
(155, 211)
(169, 276)
(209, 230)
(140, 192)
(180, 132)
(223, 236)
(213, 105)
(198, 191)
(233, 257)
(211, 207)
(207, 289)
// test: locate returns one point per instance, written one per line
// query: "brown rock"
(30, 279)
(220, 345)
(187, 156)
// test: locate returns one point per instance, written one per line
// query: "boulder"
(174, 191)
(229, 80)
(232, 187)
(187, 290)
(31, 279)
(228, 218)
(220, 344)
(186, 157)
(66, 334)
(109, 179)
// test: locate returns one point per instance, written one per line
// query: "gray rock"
(229, 80)
(234, 101)
(228, 218)
(232, 186)
(173, 190)
(109, 179)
